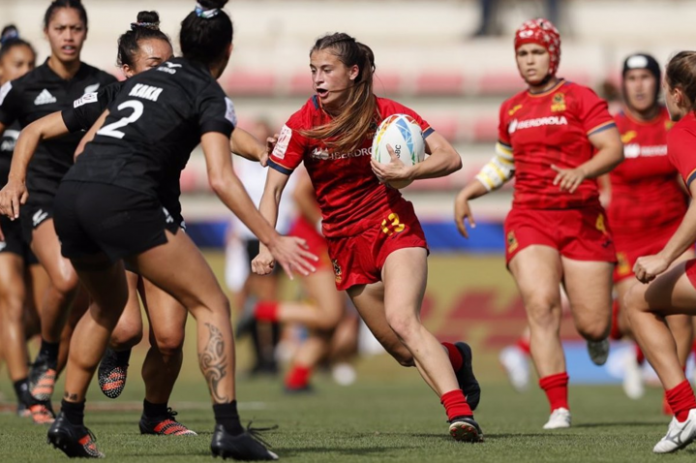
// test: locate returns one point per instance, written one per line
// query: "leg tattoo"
(213, 362)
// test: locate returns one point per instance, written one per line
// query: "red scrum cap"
(541, 32)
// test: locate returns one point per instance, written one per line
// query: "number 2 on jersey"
(110, 130)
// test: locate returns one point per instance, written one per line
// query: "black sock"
(74, 412)
(21, 389)
(49, 353)
(227, 415)
(154, 410)
(122, 357)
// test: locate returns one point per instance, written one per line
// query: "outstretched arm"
(290, 252)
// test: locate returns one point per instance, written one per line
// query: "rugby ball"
(404, 135)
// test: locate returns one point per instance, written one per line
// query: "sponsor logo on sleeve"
(230, 114)
(283, 142)
(85, 99)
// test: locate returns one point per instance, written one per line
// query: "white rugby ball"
(404, 135)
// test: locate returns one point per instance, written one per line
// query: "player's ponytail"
(58, 4)
(347, 132)
(206, 33)
(681, 73)
(9, 38)
(146, 27)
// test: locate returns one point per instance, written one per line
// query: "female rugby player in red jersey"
(327, 308)
(669, 291)
(48, 88)
(17, 57)
(556, 231)
(646, 199)
(376, 243)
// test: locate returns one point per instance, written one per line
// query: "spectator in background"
(489, 25)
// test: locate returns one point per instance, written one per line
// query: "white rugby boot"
(633, 377)
(559, 419)
(679, 435)
(516, 365)
(599, 351)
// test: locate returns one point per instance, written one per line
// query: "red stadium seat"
(445, 125)
(301, 84)
(249, 83)
(500, 83)
(430, 83)
(387, 83)
(485, 129)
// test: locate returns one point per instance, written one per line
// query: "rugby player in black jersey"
(53, 86)
(142, 48)
(17, 57)
(109, 208)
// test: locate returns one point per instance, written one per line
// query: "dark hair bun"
(210, 4)
(9, 32)
(148, 19)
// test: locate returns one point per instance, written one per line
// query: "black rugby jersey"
(154, 123)
(85, 112)
(38, 94)
(7, 145)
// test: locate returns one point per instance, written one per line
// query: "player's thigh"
(47, 248)
(405, 273)
(537, 272)
(321, 288)
(194, 286)
(671, 293)
(589, 288)
(369, 302)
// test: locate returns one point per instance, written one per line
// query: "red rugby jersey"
(645, 189)
(681, 147)
(347, 189)
(551, 128)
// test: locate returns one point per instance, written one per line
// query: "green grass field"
(388, 415)
(391, 419)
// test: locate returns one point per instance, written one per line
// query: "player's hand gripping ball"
(403, 135)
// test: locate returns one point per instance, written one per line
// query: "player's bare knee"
(405, 326)
(170, 344)
(594, 331)
(542, 314)
(65, 284)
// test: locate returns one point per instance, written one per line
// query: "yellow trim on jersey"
(486, 179)
(601, 126)
(503, 149)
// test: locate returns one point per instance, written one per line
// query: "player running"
(376, 244)
(670, 289)
(17, 57)
(555, 138)
(647, 200)
(143, 47)
(111, 207)
(53, 86)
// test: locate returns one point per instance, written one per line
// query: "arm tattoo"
(213, 363)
